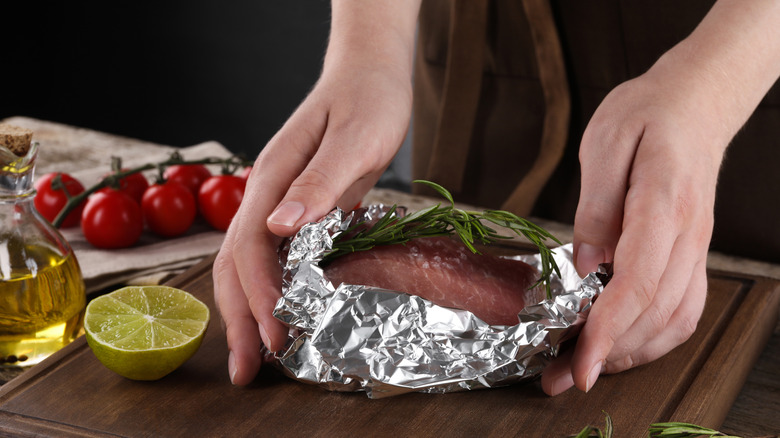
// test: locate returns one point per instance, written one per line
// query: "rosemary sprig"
(656, 430)
(682, 430)
(447, 220)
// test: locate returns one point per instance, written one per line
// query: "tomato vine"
(229, 166)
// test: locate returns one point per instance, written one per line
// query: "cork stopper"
(16, 139)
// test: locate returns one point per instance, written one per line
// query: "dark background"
(171, 72)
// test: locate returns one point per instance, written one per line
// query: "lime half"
(145, 332)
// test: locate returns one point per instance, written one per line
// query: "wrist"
(729, 62)
(377, 35)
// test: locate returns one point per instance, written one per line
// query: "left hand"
(650, 158)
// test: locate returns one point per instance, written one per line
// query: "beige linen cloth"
(86, 155)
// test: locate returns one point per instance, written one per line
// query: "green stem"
(113, 178)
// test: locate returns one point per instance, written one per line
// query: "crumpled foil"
(360, 338)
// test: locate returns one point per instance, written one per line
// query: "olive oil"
(42, 297)
(41, 310)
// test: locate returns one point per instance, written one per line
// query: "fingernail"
(264, 336)
(561, 384)
(593, 375)
(589, 257)
(232, 366)
(287, 214)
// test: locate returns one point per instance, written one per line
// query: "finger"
(246, 272)
(254, 255)
(599, 216)
(240, 327)
(641, 257)
(671, 289)
(352, 149)
(259, 273)
(556, 377)
(281, 162)
(254, 247)
(679, 329)
(293, 151)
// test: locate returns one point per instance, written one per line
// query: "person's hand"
(649, 164)
(330, 152)
(650, 158)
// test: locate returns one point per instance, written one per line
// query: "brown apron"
(505, 88)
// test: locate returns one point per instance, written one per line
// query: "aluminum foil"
(360, 338)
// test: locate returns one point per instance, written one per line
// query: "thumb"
(312, 196)
(338, 174)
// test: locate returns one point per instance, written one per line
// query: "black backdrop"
(171, 72)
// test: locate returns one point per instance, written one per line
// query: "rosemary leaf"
(442, 191)
(656, 430)
(682, 430)
(608, 430)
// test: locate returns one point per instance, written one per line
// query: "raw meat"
(447, 273)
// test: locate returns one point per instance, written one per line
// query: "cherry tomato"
(168, 208)
(245, 173)
(189, 175)
(50, 201)
(219, 198)
(112, 219)
(133, 185)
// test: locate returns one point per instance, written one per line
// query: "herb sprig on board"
(683, 430)
(656, 430)
(447, 220)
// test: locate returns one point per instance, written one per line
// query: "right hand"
(330, 152)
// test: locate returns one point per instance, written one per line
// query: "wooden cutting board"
(72, 394)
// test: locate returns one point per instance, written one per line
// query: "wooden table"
(72, 394)
(727, 376)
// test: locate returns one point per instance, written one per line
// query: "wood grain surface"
(72, 394)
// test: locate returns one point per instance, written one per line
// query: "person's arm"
(330, 152)
(650, 157)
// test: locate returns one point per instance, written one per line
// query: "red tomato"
(219, 198)
(112, 219)
(133, 185)
(49, 201)
(245, 173)
(168, 208)
(189, 175)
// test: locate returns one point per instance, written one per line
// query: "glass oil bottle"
(42, 296)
